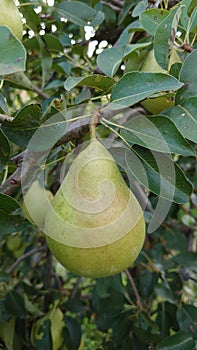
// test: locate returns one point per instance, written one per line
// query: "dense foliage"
(112, 60)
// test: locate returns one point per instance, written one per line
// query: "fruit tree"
(98, 133)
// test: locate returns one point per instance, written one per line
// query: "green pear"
(10, 17)
(156, 105)
(14, 242)
(95, 225)
(36, 203)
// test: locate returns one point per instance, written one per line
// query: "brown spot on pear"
(95, 225)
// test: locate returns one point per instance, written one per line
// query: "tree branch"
(135, 291)
(24, 257)
(74, 131)
(15, 180)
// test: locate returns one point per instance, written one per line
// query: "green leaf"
(164, 292)
(186, 318)
(3, 104)
(109, 60)
(179, 341)
(12, 53)
(151, 18)
(46, 61)
(72, 333)
(155, 171)
(79, 13)
(189, 77)
(8, 203)
(15, 305)
(164, 37)
(193, 21)
(191, 7)
(20, 80)
(184, 19)
(176, 239)
(10, 223)
(187, 260)
(7, 331)
(139, 8)
(49, 132)
(156, 133)
(127, 34)
(4, 150)
(95, 81)
(53, 43)
(32, 18)
(26, 122)
(136, 86)
(44, 337)
(184, 116)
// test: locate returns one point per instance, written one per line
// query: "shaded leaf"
(184, 116)
(46, 61)
(136, 86)
(3, 104)
(49, 132)
(4, 150)
(79, 13)
(43, 338)
(155, 171)
(109, 60)
(10, 223)
(23, 126)
(186, 318)
(164, 292)
(8, 203)
(156, 133)
(32, 18)
(72, 333)
(164, 37)
(53, 43)
(179, 341)
(15, 304)
(12, 53)
(7, 330)
(189, 77)
(98, 82)
(151, 18)
(187, 260)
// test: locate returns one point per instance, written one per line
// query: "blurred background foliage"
(78, 53)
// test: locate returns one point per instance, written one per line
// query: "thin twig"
(24, 257)
(135, 291)
(75, 288)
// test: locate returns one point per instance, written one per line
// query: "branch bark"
(24, 257)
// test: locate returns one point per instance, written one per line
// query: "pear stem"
(92, 126)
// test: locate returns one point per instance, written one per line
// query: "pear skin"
(95, 225)
(156, 105)
(35, 204)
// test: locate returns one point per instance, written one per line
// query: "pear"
(156, 105)
(150, 64)
(36, 203)
(95, 225)
(10, 17)
(14, 242)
